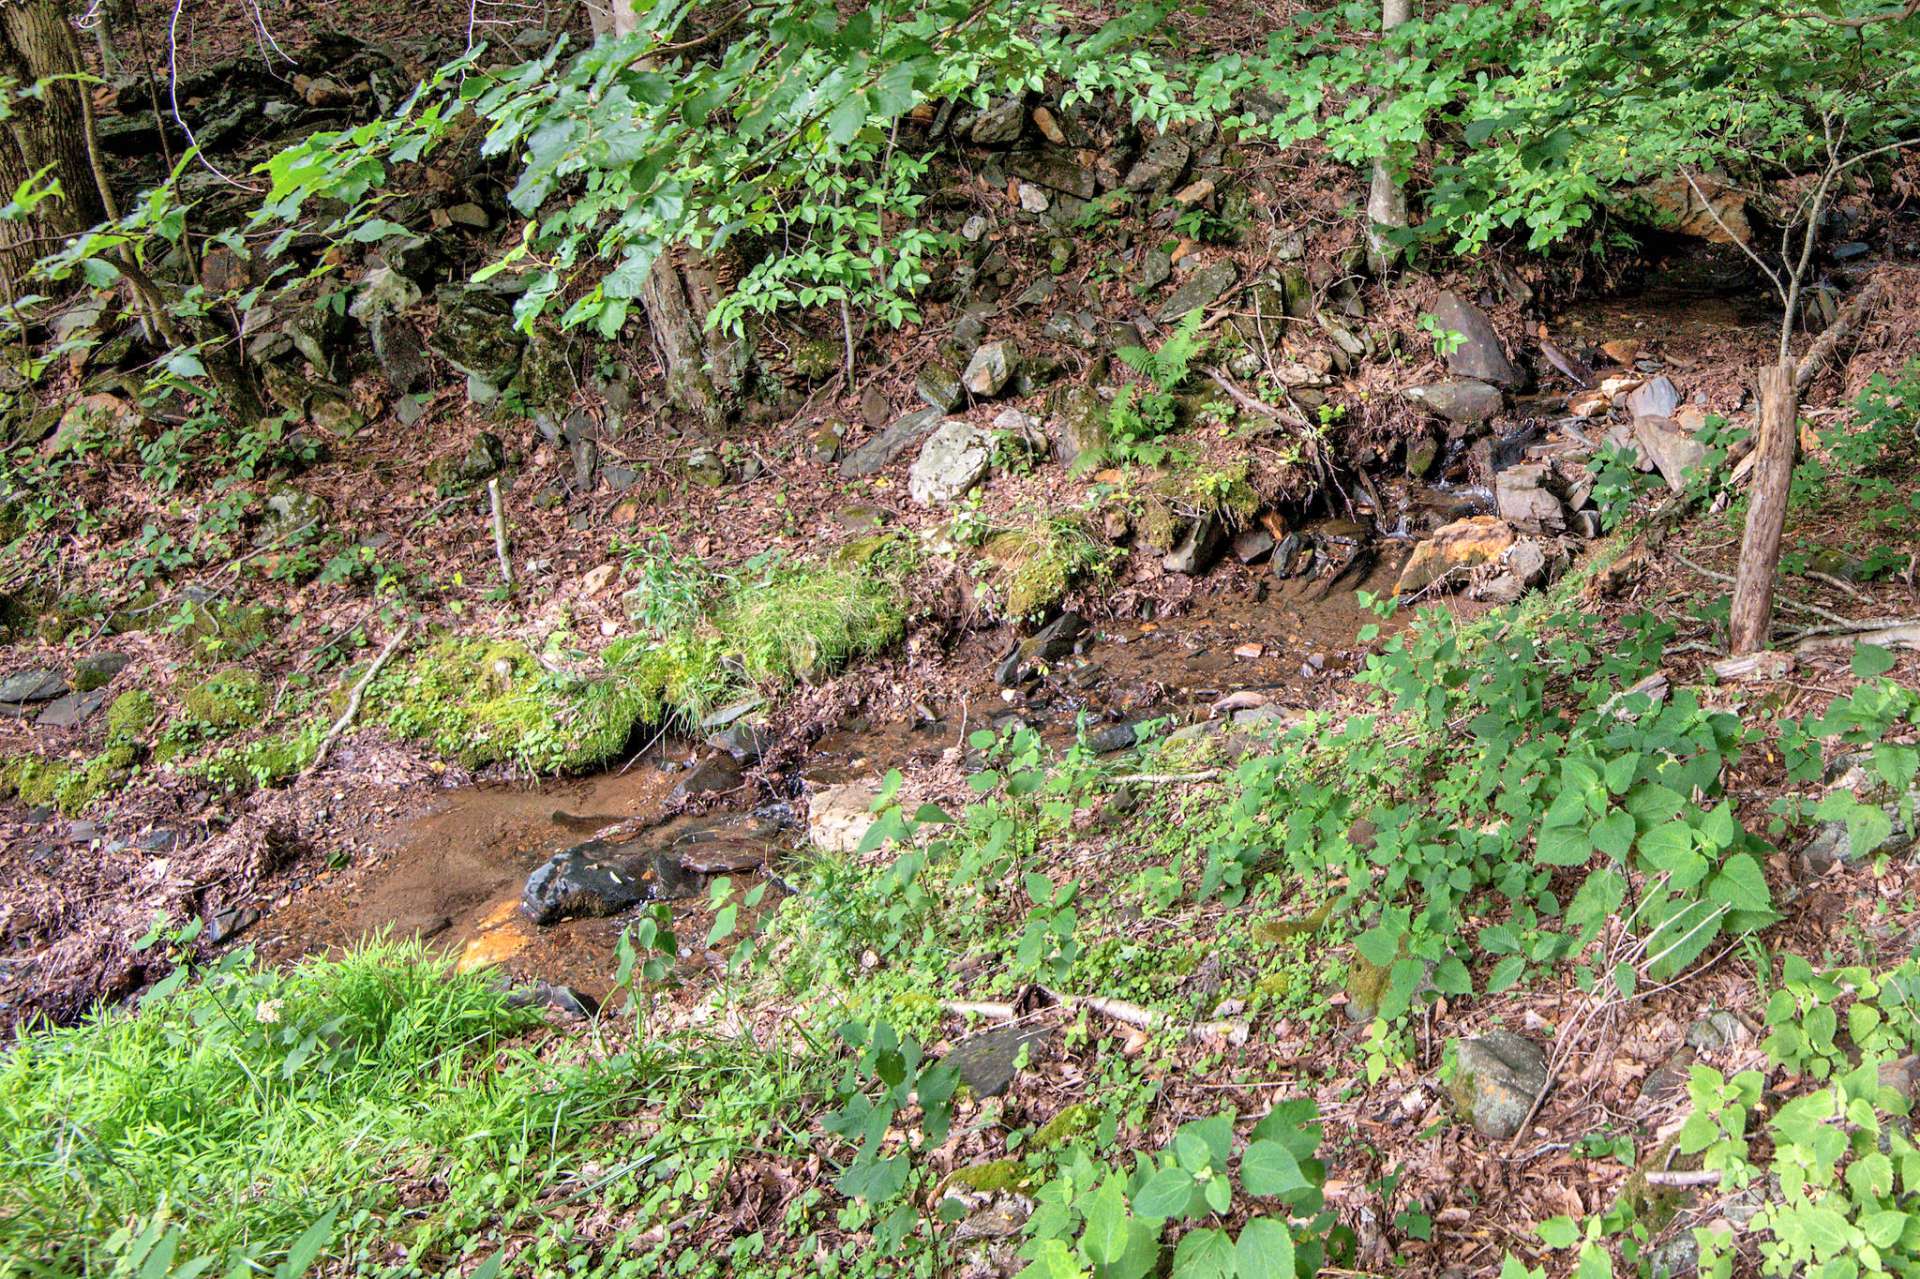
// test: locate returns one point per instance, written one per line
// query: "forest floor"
(1117, 943)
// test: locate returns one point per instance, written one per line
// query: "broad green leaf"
(1740, 884)
(1559, 1232)
(1264, 1250)
(1204, 1254)
(1870, 660)
(1166, 1194)
(1268, 1168)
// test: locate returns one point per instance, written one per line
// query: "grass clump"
(1039, 563)
(244, 1105)
(800, 622)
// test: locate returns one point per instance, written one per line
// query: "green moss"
(226, 701)
(268, 762)
(486, 702)
(1064, 1127)
(1226, 494)
(1040, 563)
(69, 785)
(994, 1176)
(131, 716)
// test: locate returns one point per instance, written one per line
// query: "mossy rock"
(1366, 987)
(131, 716)
(1071, 1122)
(226, 701)
(69, 785)
(996, 1176)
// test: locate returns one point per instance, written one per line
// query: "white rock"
(838, 817)
(952, 461)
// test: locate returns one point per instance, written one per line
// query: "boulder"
(1671, 450)
(96, 670)
(1453, 549)
(1702, 209)
(476, 335)
(1498, 1079)
(1522, 498)
(1479, 355)
(1252, 545)
(953, 460)
(1051, 644)
(838, 817)
(987, 1062)
(1053, 170)
(32, 686)
(1463, 401)
(580, 882)
(1077, 424)
(989, 368)
(877, 453)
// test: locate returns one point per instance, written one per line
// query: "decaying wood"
(1120, 1010)
(1899, 634)
(1827, 344)
(1752, 612)
(1752, 666)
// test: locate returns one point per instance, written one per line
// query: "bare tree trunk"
(49, 134)
(1751, 621)
(703, 368)
(1387, 199)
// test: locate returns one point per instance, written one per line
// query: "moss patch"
(225, 701)
(1038, 564)
(69, 785)
(131, 716)
(800, 623)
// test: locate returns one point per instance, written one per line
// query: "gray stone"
(225, 925)
(1200, 289)
(877, 453)
(1199, 546)
(1587, 524)
(1717, 1030)
(97, 669)
(482, 459)
(954, 459)
(72, 709)
(714, 775)
(476, 335)
(1053, 170)
(1522, 498)
(1032, 198)
(32, 686)
(1498, 1078)
(992, 364)
(940, 386)
(1077, 424)
(1832, 844)
(1672, 451)
(1464, 402)
(988, 1061)
(1000, 124)
(1155, 269)
(580, 882)
(1252, 545)
(382, 291)
(1658, 397)
(1479, 355)
(562, 999)
(1160, 166)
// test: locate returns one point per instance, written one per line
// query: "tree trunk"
(704, 368)
(1387, 199)
(50, 134)
(1750, 625)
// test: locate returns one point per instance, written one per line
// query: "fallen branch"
(500, 533)
(1120, 1010)
(1822, 351)
(1168, 779)
(354, 698)
(1884, 632)
(1250, 403)
(1697, 1177)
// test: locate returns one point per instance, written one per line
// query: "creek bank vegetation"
(716, 382)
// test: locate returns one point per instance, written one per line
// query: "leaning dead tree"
(46, 147)
(1780, 385)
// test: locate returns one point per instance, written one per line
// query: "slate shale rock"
(1051, 644)
(1497, 1079)
(1454, 548)
(1479, 355)
(1463, 401)
(1200, 289)
(32, 686)
(987, 1062)
(880, 451)
(1198, 549)
(70, 710)
(1671, 449)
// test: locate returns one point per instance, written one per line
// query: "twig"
(500, 533)
(353, 698)
(1697, 1177)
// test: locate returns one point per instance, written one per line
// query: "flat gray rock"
(32, 686)
(1497, 1079)
(1202, 288)
(1480, 354)
(986, 1061)
(877, 453)
(72, 709)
